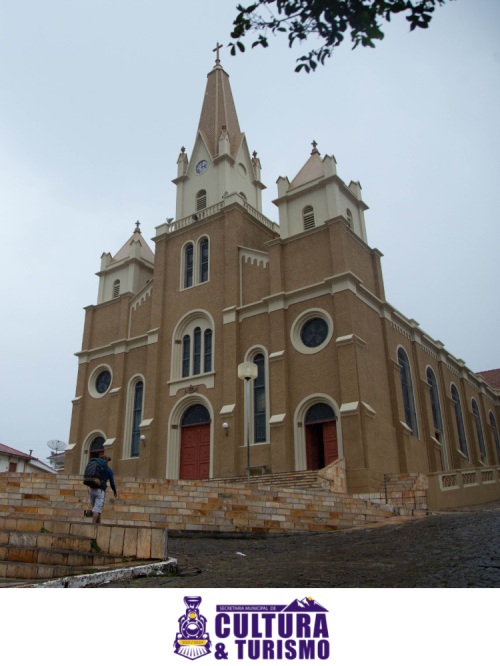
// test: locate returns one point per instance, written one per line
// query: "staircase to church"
(281, 503)
(308, 479)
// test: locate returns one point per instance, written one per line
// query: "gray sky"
(99, 96)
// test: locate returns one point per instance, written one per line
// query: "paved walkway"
(451, 549)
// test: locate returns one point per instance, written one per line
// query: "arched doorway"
(321, 436)
(195, 443)
(96, 449)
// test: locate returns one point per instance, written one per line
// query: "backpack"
(93, 474)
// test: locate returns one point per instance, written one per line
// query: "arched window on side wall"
(435, 403)
(407, 389)
(480, 434)
(186, 355)
(349, 217)
(188, 266)
(204, 260)
(136, 419)
(207, 366)
(197, 351)
(201, 200)
(259, 400)
(308, 218)
(493, 424)
(116, 288)
(462, 440)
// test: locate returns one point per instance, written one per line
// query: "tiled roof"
(492, 377)
(13, 452)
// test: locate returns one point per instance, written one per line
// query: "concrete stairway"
(307, 479)
(210, 505)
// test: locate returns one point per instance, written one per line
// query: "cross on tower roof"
(137, 227)
(314, 150)
(219, 46)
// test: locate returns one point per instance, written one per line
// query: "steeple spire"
(218, 113)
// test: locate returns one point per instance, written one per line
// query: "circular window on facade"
(311, 331)
(100, 381)
(103, 381)
(314, 332)
(242, 170)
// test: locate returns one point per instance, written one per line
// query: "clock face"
(201, 167)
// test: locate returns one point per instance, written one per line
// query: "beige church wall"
(316, 199)
(344, 203)
(312, 255)
(140, 317)
(110, 322)
(255, 281)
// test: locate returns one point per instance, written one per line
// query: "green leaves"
(327, 19)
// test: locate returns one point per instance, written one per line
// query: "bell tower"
(220, 163)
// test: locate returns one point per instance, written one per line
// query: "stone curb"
(110, 576)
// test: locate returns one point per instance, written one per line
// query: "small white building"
(12, 460)
(57, 460)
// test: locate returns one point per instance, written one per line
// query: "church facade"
(341, 373)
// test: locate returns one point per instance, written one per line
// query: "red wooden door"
(330, 441)
(195, 452)
(312, 456)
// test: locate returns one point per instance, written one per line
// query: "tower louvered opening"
(116, 288)
(308, 216)
(201, 200)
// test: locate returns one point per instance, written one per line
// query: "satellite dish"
(56, 445)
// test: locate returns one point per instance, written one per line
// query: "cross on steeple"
(314, 150)
(216, 49)
(137, 227)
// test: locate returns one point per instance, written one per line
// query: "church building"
(341, 373)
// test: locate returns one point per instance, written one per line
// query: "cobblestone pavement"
(453, 549)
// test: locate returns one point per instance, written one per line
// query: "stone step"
(22, 571)
(57, 557)
(45, 539)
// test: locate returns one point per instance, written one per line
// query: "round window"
(314, 332)
(103, 381)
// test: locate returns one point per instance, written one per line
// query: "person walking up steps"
(97, 480)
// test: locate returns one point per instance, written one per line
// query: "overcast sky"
(99, 96)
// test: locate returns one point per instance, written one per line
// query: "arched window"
(201, 200)
(136, 419)
(186, 355)
(204, 260)
(96, 449)
(455, 395)
(407, 388)
(320, 412)
(493, 424)
(207, 366)
(479, 429)
(435, 404)
(197, 351)
(188, 266)
(308, 217)
(116, 288)
(259, 400)
(349, 217)
(194, 415)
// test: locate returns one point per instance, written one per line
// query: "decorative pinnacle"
(137, 227)
(183, 150)
(314, 150)
(254, 154)
(216, 49)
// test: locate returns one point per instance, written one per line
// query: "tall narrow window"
(407, 388)
(186, 354)
(308, 217)
(259, 400)
(116, 288)
(201, 200)
(479, 429)
(435, 404)
(188, 267)
(208, 351)
(349, 217)
(455, 395)
(136, 420)
(197, 351)
(204, 260)
(493, 424)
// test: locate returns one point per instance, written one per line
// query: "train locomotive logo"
(192, 641)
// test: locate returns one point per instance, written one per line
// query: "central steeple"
(218, 113)
(220, 164)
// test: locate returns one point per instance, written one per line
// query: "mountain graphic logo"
(305, 605)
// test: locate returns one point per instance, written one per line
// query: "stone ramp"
(212, 505)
